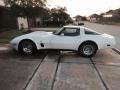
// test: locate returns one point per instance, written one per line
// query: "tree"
(59, 14)
(27, 8)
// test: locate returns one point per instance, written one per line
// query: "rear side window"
(88, 32)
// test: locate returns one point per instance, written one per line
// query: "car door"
(66, 39)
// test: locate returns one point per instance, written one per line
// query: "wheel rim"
(27, 47)
(88, 49)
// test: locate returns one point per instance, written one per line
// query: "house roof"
(110, 12)
(117, 11)
(94, 16)
(113, 12)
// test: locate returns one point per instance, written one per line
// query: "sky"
(1, 2)
(84, 7)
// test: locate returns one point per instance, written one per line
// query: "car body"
(69, 37)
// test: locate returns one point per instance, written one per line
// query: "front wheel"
(27, 47)
(88, 49)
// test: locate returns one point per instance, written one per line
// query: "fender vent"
(42, 45)
(108, 45)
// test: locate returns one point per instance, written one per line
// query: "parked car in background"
(77, 38)
(81, 23)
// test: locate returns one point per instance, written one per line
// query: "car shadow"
(11, 54)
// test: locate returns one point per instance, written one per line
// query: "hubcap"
(27, 47)
(88, 49)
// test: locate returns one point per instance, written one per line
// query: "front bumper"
(14, 45)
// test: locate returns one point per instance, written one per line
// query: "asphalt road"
(109, 29)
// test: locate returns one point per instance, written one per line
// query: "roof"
(78, 16)
(74, 26)
(110, 12)
(94, 16)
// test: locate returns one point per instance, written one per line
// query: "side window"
(70, 32)
(88, 32)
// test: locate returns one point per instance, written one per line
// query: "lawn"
(6, 36)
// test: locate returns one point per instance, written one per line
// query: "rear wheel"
(88, 49)
(27, 47)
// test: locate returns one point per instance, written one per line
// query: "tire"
(88, 49)
(27, 47)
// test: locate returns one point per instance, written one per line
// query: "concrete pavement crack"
(116, 50)
(55, 75)
(96, 69)
(30, 79)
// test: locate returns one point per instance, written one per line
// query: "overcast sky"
(85, 7)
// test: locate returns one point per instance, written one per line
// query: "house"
(112, 13)
(7, 19)
(116, 13)
(108, 14)
(77, 19)
(94, 18)
(112, 16)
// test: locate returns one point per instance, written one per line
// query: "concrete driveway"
(54, 70)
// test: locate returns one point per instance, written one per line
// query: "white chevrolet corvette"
(76, 38)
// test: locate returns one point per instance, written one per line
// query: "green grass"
(6, 36)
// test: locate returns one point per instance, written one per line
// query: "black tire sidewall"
(83, 45)
(20, 48)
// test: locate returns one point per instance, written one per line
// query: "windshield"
(56, 32)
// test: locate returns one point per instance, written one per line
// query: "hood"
(35, 34)
(107, 35)
(40, 33)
